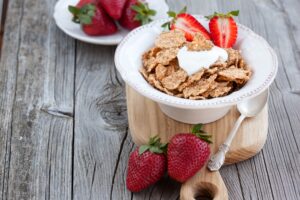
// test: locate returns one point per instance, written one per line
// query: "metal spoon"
(249, 108)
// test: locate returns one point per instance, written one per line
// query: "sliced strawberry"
(114, 8)
(93, 19)
(136, 14)
(223, 29)
(186, 23)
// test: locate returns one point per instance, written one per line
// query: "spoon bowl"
(252, 107)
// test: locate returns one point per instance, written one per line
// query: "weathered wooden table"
(63, 123)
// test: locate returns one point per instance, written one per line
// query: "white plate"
(63, 19)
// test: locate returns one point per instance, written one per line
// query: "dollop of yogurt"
(193, 61)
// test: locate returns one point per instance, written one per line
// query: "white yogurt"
(193, 61)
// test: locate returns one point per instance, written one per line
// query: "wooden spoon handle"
(204, 183)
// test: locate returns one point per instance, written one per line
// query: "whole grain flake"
(171, 39)
(161, 69)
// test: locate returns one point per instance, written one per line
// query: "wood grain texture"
(37, 73)
(100, 123)
(63, 122)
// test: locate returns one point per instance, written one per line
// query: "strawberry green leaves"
(84, 14)
(143, 13)
(154, 145)
(233, 13)
(143, 149)
(197, 130)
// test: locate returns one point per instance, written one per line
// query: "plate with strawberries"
(106, 22)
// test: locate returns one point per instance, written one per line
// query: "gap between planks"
(3, 12)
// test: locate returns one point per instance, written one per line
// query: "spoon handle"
(217, 160)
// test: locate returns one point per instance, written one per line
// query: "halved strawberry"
(223, 29)
(186, 23)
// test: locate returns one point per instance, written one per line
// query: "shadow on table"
(165, 189)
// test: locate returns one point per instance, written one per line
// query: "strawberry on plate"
(187, 153)
(84, 2)
(114, 8)
(136, 13)
(186, 23)
(93, 19)
(223, 29)
(147, 164)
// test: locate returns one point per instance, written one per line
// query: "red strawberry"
(186, 23)
(146, 165)
(223, 29)
(84, 2)
(114, 8)
(187, 154)
(93, 19)
(136, 14)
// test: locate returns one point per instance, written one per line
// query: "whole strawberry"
(186, 23)
(114, 8)
(84, 2)
(136, 13)
(187, 153)
(93, 19)
(146, 165)
(223, 29)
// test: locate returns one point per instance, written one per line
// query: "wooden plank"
(37, 78)
(100, 124)
(102, 142)
(1, 20)
(8, 70)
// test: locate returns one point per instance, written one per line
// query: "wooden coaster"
(146, 120)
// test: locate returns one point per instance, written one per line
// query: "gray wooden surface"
(63, 123)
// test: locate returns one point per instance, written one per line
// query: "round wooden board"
(146, 120)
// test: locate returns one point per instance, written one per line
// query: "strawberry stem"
(84, 14)
(154, 145)
(197, 130)
(233, 13)
(144, 13)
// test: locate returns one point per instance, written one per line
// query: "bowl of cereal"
(195, 81)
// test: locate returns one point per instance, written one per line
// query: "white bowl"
(255, 50)
(63, 19)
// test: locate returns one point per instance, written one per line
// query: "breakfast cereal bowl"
(254, 49)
